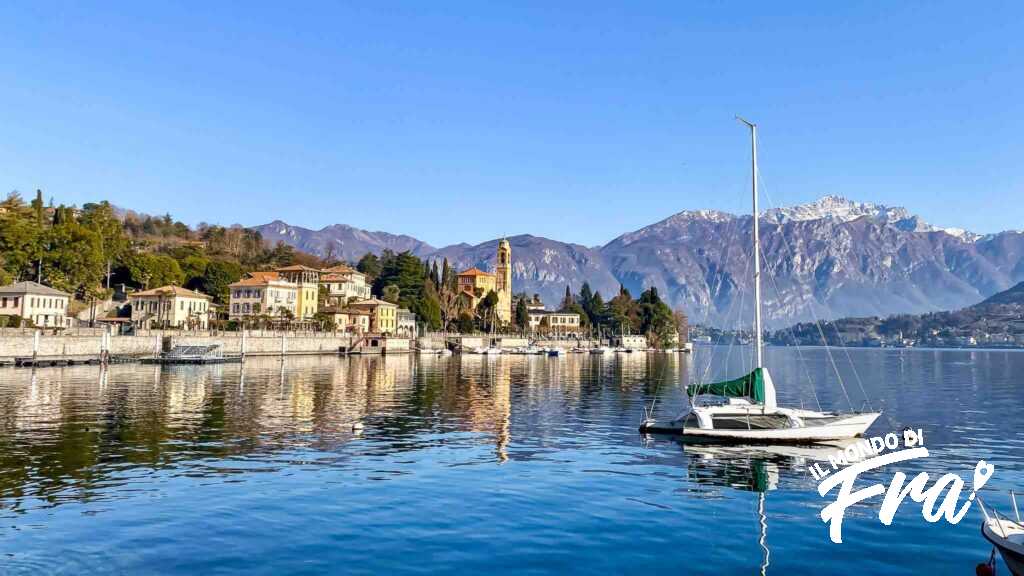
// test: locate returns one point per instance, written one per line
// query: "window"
(16, 301)
(234, 308)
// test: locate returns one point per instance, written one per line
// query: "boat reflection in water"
(755, 468)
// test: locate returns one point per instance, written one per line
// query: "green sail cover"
(749, 386)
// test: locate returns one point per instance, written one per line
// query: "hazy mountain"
(830, 258)
(340, 240)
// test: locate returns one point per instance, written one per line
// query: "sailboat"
(750, 412)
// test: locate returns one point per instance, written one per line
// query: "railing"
(97, 332)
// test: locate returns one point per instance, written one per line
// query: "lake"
(472, 464)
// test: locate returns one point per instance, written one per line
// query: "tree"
(215, 280)
(567, 300)
(101, 219)
(657, 321)
(485, 311)
(522, 315)
(682, 323)
(20, 239)
(465, 324)
(429, 306)
(451, 304)
(154, 270)
(193, 268)
(369, 264)
(73, 261)
(623, 312)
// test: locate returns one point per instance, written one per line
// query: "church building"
(475, 284)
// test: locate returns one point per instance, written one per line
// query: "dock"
(210, 354)
(45, 361)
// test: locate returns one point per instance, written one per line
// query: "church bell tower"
(503, 281)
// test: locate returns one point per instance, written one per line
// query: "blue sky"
(465, 121)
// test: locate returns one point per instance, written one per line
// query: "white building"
(44, 306)
(548, 322)
(343, 283)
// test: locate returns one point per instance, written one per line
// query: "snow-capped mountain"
(829, 258)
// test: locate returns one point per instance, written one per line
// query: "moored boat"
(1006, 535)
(747, 410)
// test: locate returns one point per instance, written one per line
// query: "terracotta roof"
(170, 291)
(297, 268)
(261, 281)
(264, 275)
(349, 311)
(335, 277)
(340, 269)
(474, 272)
(29, 287)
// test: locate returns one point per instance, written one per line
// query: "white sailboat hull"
(837, 428)
(1008, 538)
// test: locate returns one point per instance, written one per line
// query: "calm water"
(471, 464)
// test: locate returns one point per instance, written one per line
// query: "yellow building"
(383, 315)
(262, 293)
(170, 307)
(307, 281)
(349, 319)
(475, 284)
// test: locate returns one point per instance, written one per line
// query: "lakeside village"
(78, 270)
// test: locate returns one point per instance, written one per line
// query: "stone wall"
(152, 343)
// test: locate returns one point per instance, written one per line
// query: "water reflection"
(531, 460)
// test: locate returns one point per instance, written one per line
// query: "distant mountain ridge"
(343, 241)
(827, 259)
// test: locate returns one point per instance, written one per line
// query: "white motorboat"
(748, 411)
(1006, 535)
(601, 350)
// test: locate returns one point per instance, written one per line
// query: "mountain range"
(827, 259)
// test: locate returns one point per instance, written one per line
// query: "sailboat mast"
(757, 245)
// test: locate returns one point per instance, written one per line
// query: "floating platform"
(231, 359)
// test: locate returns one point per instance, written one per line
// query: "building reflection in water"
(66, 432)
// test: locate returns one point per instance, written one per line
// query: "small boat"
(554, 351)
(747, 410)
(434, 352)
(1006, 535)
(601, 350)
